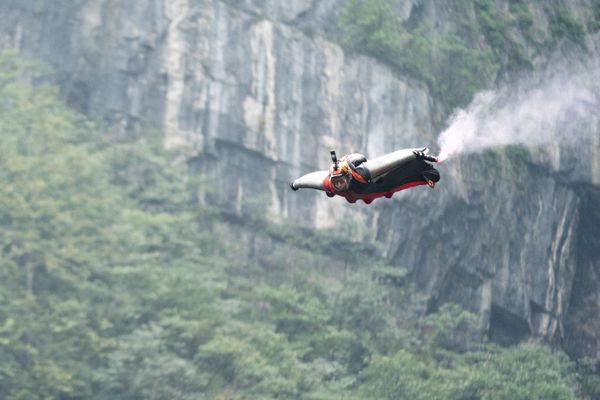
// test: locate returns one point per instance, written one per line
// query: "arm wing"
(314, 180)
(383, 164)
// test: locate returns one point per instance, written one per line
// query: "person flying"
(354, 177)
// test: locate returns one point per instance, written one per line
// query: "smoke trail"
(530, 112)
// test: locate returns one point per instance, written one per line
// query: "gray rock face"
(255, 85)
(512, 256)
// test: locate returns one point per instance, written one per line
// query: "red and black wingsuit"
(354, 177)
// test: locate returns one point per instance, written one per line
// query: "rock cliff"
(255, 92)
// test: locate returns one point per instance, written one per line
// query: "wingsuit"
(354, 177)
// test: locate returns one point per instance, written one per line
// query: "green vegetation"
(372, 27)
(564, 25)
(589, 372)
(593, 24)
(115, 284)
(521, 14)
(483, 43)
(454, 73)
(465, 71)
(496, 28)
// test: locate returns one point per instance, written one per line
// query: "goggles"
(340, 176)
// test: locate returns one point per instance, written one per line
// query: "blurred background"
(151, 248)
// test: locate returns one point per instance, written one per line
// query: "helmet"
(340, 176)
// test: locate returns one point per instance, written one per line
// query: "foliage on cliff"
(115, 284)
(483, 43)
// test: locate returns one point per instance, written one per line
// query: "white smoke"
(528, 112)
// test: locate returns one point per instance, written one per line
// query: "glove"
(419, 154)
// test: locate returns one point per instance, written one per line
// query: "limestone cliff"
(246, 86)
